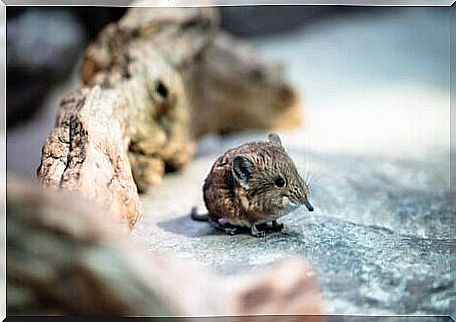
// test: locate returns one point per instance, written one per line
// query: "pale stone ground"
(376, 141)
(376, 92)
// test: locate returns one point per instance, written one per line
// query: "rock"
(379, 240)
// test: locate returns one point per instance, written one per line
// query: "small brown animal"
(252, 185)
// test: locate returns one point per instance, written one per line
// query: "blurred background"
(378, 77)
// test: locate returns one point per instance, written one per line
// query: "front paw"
(276, 226)
(257, 233)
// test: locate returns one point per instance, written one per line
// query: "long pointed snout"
(308, 205)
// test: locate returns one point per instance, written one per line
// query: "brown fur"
(259, 200)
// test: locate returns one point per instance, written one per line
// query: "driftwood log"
(153, 82)
(239, 90)
(65, 255)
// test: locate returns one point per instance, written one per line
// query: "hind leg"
(226, 227)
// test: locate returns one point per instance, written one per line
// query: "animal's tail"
(198, 217)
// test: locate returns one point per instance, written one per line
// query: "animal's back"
(218, 188)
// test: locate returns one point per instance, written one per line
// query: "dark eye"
(280, 182)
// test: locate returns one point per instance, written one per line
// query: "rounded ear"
(275, 139)
(242, 169)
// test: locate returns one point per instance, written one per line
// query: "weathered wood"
(133, 118)
(66, 255)
(238, 89)
(87, 154)
(154, 81)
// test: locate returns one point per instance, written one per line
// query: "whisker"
(306, 174)
(311, 178)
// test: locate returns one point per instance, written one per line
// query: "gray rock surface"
(379, 239)
(376, 145)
